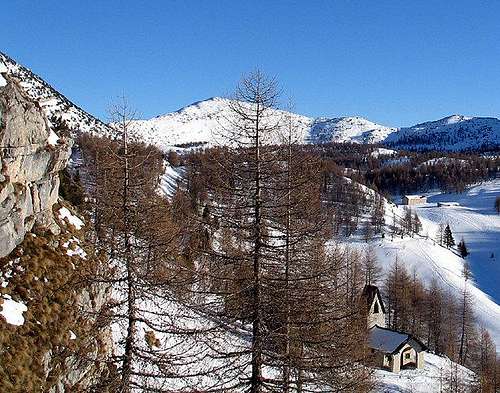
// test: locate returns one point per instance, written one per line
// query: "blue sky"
(394, 62)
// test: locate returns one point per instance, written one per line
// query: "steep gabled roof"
(370, 292)
(390, 341)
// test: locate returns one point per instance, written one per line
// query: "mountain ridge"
(200, 122)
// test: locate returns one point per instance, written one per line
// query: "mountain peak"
(201, 120)
(455, 119)
(455, 132)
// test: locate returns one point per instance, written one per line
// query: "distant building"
(391, 349)
(448, 204)
(412, 200)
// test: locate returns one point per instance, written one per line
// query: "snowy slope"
(450, 133)
(51, 101)
(430, 379)
(202, 122)
(347, 129)
(475, 220)
(205, 122)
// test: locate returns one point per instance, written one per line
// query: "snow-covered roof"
(415, 196)
(386, 340)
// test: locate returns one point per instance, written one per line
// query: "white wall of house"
(411, 201)
(406, 355)
(420, 359)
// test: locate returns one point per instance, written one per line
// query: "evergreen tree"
(440, 234)
(407, 222)
(448, 239)
(462, 248)
(378, 213)
(417, 225)
(467, 319)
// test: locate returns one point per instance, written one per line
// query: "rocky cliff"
(31, 157)
(52, 337)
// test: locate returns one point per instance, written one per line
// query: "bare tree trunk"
(466, 317)
(461, 357)
(130, 279)
(256, 379)
(286, 366)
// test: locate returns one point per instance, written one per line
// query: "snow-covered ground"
(3, 69)
(430, 379)
(171, 179)
(382, 151)
(64, 213)
(12, 311)
(474, 220)
(347, 129)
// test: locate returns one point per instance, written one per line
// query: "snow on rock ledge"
(12, 311)
(3, 69)
(64, 213)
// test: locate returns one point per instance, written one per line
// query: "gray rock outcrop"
(29, 166)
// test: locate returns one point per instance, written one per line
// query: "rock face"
(31, 156)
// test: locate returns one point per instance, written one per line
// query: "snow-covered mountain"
(203, 121)
(347, 129)
(53, 103)
(455, 132)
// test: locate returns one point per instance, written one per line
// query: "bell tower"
(374, 306)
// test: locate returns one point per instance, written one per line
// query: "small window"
(375, 309)
(407, 356)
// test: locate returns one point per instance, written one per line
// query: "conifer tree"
(378, 213)
(268, 255)
(462, 248)
(417, 224)
(407, 222)
(467, 319)
(440, 234)
(448, 239)
(136, 233)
